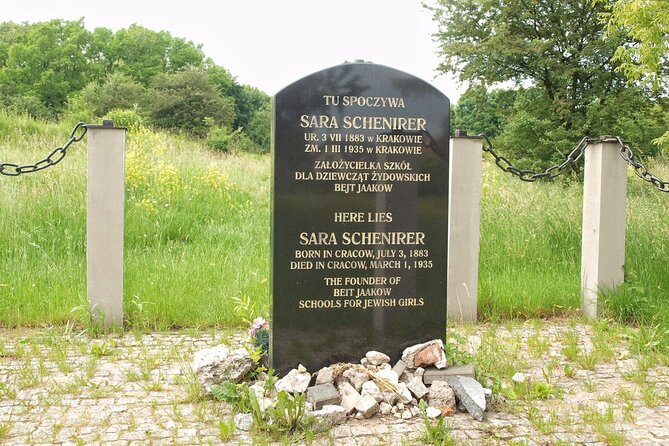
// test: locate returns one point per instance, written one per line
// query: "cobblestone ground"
(590, 387)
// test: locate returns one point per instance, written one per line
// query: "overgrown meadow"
(197, 238)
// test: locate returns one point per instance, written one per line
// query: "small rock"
(259, 389)
(217, 364)
(446, 411)
(415, 411)
(349, 397)
(432, 354)
(301, 368)
(488, 395)
(389, 375)
(244, 421)
(470, 393)
(370, 388)
(356, 377)
(519, 378)
(385, 366)
(385, 408)
(406, 414)
(323, 395)
(416, 386)
(377, 358)
(441, 394)
(367, 406)
(397, 415)
(400, 367)
(294, 382)
(364, 362)
(170, 425)
(400, 406)
(394, 410)
(427, 353)
(419, 371)
(404, 393)
(359, 416)
(328, 416)
(265, 403)
(390, 398)
(325, 376)
(432, 412)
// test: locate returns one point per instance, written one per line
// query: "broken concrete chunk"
(433, 374)
(427, 353)
(370, 388)
(217, 364)
(323, 395)
(389, 375)
(400, 367)
(349, 397)
(294, 382)
(416, 386)
(471, 395)
(441, 394)
(377, 358)
(325, 375)
(328, 416)
(367, 406)
(356, 377)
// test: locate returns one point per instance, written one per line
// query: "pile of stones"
(345, 390)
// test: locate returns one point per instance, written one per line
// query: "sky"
(270, 44)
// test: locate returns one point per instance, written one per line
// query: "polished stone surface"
(360, 211)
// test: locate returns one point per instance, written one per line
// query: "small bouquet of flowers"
(259, 333)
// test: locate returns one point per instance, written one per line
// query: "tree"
(142, 54)
(478, 111)
(646, 23)
(558, 45)
(118, 91)
(45, 61)
(187, 100)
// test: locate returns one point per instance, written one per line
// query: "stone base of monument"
(373, 387)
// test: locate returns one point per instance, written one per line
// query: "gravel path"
(588, 386)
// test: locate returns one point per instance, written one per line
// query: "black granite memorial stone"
(360, 215)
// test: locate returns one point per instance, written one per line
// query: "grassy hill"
(197, 238)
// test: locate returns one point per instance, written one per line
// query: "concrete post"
(104, 223)
(464, 220)
(604, 214)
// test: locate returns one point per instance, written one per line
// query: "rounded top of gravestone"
(350, 73)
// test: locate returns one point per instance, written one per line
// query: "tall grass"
(197, 237)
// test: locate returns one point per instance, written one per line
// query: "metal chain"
(55, 157)
(639, 169)
(529, 175)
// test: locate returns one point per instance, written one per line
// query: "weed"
(226, 428)
(544, 424)
(538, 345)
(192, 387)
(437, 432)
(569, 370)
(4, 430)
(104, 348)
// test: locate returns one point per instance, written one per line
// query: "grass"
(196, 231)
(197, 240)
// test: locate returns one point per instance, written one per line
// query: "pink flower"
(258, 324)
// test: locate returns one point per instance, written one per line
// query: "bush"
(129, 119)
(188, 101)
(259, 128)
(226, 140)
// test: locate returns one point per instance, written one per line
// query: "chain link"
(639, 169)
(529, 175)
(55, 157)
